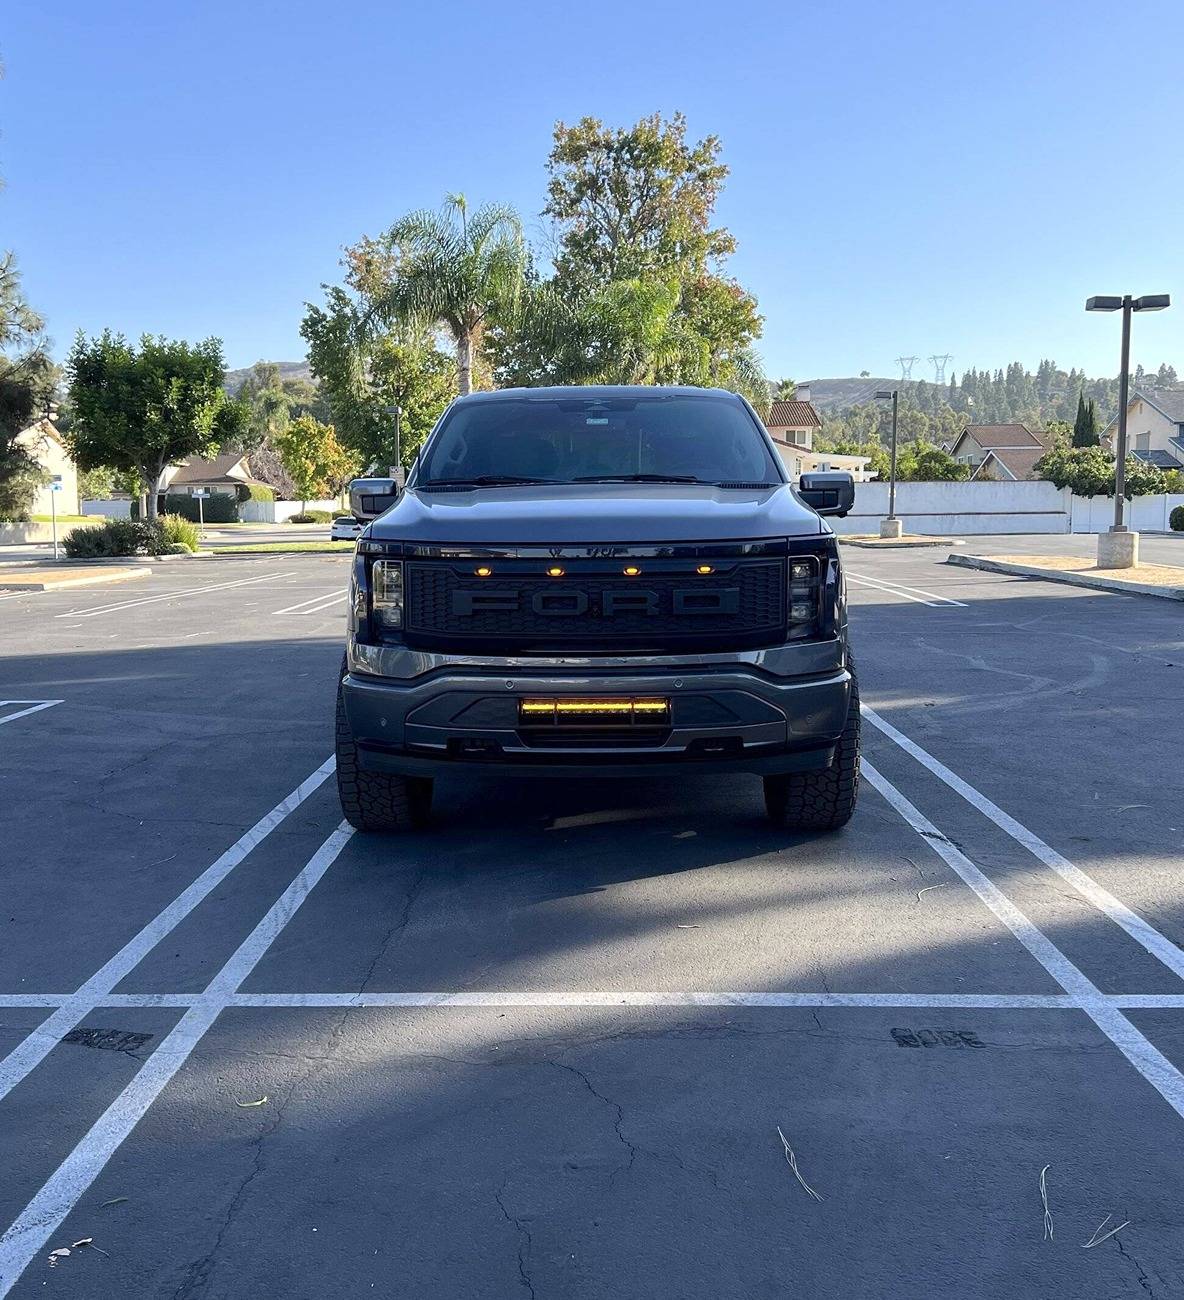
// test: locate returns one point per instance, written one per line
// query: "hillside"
(288, 370)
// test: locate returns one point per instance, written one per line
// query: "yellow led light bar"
(578, 707)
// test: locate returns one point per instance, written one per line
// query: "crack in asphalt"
(397, 926)
(1144, 1280)
(525, 1240)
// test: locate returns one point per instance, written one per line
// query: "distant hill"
(235, 379)
(835, 394)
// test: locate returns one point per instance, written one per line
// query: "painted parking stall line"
(41, 1217)
(29, 1053)
(1143, 933)
(314, 606)
(1147, 1059)
(918, 595)
(33, 706)
(183, 594)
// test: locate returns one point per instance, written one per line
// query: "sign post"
(201, 495)
(55, 486)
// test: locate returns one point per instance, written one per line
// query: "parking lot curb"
(1067, 576)
(899, 544)
(56, 582)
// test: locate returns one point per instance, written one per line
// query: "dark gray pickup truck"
(603, 582)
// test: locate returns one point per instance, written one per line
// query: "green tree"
(448, 270)
(922, 462)
(785, 389)
(26, 388)
(1089, 472)
(635, 202)
(1085, 426)
(317, 462)
(365, 372)
(141, 409)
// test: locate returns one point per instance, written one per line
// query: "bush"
(1176, 520)
(312, 517)
(218, 508)
(180, 532)
(117, 537)
(254, 492)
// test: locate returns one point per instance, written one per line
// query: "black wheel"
(820, 801)
(377, 801)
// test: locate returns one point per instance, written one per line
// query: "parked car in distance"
(599, 581)
(345, 528)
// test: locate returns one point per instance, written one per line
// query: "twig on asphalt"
(1044, 1201)
(792, 1161)
(1095, 1240)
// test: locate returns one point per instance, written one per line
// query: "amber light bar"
(624, 708)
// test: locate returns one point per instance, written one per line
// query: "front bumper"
(724, 715)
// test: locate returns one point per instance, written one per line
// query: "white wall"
(110, 509)
(279, 512)
(1027, 506)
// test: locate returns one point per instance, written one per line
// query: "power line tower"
(906, 366)
(939, 367)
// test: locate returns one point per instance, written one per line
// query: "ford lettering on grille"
(572, 602)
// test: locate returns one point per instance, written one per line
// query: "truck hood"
(597, 513)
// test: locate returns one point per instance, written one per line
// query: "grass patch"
(68, 519)
(263, 548)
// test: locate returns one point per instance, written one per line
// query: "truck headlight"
(386, 594)
(802, 595)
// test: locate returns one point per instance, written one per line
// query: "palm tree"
(454, 271)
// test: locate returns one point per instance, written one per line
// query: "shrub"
(218, 508)
(312, 517)
(116, 537)
(1176, 520)
(179, 531)
(254, 492)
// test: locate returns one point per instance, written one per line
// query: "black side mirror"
(371, 497)
(829, 493)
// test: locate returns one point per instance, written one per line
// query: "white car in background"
(345, 528)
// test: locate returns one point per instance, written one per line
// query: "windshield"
(660, 437)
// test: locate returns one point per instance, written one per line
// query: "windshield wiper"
(639, 478)
(488, 480)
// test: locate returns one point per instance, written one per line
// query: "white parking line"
(34, 1049)
(1158, 945)
(920, 596)
(173, 595)
(317, 603)
(41, 1217)
(1138, 1050)
(37, 706)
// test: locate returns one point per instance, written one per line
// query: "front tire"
(820, 801)
(377, 801)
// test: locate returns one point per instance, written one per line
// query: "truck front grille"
(593, 608)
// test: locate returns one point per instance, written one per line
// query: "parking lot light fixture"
(1119, 549)
(891, 527)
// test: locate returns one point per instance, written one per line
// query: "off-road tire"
(377, 801)
(820, 801)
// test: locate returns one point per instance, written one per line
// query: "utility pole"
(891, 527)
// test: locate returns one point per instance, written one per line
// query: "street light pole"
(1119, 548)
(891, 527)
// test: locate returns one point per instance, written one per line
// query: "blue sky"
(911, 178)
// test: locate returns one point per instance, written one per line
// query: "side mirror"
(371, 497)
(828, 493)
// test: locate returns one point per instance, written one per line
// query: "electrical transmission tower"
(939, 367)
(906, 366)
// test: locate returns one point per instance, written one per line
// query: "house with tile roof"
(1016, 449)
(1154, 428)
(223, 473)
(792, 425)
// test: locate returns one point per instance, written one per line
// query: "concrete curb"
(872, 544)
(1062, 575)
(68, 580)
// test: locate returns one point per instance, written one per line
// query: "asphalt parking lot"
(563, 1043)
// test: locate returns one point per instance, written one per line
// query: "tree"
(922, 462)
(26, 388)
(635, 202)
(142, 409)
(318, 464)
(1089, 472)
(1085, 426)
(449, 269)
(364, 372)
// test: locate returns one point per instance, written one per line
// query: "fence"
(970, 509)
(279, 512)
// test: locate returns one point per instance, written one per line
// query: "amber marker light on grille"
(704, 569)
(555, 572)
(483, 571)
(631, 571)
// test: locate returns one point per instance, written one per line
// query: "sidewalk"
(1161, 580)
